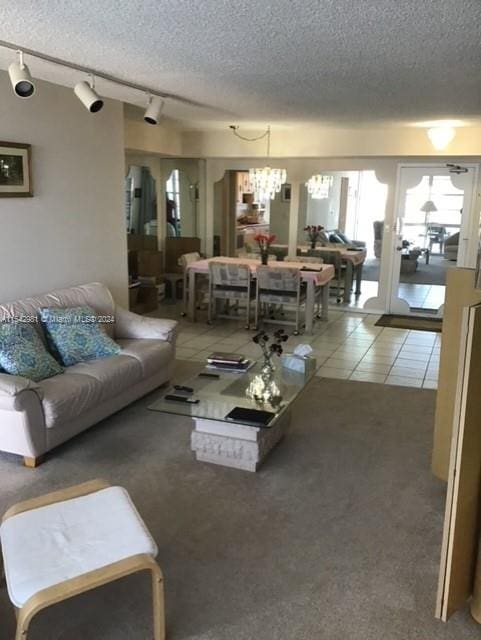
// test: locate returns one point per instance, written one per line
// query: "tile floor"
(418, 296)
(348, 346)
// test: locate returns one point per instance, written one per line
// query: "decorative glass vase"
(263, 387)
(313, 244)
(264, 257)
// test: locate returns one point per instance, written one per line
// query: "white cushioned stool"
(70, 541)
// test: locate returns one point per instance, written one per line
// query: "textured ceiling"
(285, 61)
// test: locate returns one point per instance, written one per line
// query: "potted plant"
(264, 241)
(313, 232)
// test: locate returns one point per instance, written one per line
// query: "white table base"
(235, 445)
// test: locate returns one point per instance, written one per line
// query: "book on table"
(220, 357)
(228, 362)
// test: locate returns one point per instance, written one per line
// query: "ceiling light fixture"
(441, 136)
(20, 78)
(318, 186)
(85, 92)
(154, 109)
(267, 181)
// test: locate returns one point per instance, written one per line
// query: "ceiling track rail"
(99, 74)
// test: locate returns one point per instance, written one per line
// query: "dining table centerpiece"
(313, 233)
(263, 387)
(264, 241)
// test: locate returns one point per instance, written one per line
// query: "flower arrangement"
(263, 387)
(264, 241)
(275, 346)
(313, 232)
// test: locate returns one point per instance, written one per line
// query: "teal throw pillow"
(22, 352)
(75, 335)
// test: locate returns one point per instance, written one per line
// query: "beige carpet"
(336, 538)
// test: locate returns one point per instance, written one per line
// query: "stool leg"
(158, 604)
(23, 622)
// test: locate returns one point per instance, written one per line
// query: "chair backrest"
(378, 229)
(229, 274)
(272, 257)
(278, 278)
(186, 258)
(306, 259)
(327, 256)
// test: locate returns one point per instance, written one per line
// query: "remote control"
(179, 387)
(170, 396)
(205, 374)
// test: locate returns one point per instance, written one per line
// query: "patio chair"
(229, 282)
(280, 286)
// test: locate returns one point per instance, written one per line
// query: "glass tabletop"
(218, 396)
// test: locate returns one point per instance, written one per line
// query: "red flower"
(264, 240)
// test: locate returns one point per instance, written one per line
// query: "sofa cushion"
(66, 397)
(75, 335)
(153, 355)
(22, 352)
(114, 374)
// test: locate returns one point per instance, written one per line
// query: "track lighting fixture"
(20, 78)
(24, 86)
(154, 109)
(85, 92)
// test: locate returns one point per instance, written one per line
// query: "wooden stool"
(71, 541)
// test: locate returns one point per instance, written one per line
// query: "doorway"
(435, 229)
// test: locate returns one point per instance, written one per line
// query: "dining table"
(352, 258)
(316, 277)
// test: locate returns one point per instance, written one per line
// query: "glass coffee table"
(233, 444)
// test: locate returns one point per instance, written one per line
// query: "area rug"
(417, 323)
(433, 273)
(337, 537)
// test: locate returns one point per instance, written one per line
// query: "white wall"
(72, 231)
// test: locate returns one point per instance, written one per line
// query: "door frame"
(470, 223)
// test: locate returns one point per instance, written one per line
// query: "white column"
(294, 218)
(206, 226)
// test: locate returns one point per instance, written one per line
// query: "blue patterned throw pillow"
(75, 335)
(22, 352)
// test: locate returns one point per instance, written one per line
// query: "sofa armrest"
(132, 325)
(13, 391)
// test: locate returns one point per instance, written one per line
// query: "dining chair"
(229, 282)
(334, 258)
(202, 286)
(303, 259)
(280, 286)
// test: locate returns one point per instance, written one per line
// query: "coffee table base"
(235, 445)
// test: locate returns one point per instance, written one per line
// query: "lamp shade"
(428, 207)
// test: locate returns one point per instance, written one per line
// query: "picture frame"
(15, 170)
(286, 193)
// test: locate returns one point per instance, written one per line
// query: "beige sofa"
(36, 417)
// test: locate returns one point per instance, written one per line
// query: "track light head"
(87, 95)
(154, 109)
(20, 78)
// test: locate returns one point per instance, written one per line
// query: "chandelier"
(265, 182)
(318, 186)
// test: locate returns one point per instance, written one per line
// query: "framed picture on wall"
(286, 193)
(15, 170)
